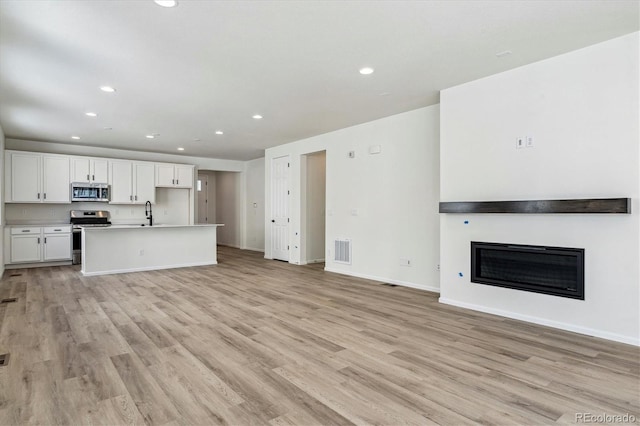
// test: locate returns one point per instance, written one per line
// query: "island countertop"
(129, 248)
(145, 226)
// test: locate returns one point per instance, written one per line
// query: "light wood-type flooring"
(251, 341)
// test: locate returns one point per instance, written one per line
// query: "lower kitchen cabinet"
(39, 244)
(25, 248)
(56, 247)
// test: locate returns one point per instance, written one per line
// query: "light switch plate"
(520, 141)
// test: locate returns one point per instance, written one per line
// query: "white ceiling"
(186, 72)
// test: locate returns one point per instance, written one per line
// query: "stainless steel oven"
(85, 218)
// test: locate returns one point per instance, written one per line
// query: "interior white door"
(280, 208)
(203, 198)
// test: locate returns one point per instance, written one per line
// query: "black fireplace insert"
(557, 271)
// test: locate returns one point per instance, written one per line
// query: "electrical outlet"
(141, 252)
(438, 267)
(529, 141)
(520, 142)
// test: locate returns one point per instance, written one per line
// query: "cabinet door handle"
(57, 230)
(38, 195)
(136, 198)
(93, 177)
(44, 196)
(130, 197)
(177, 181)
(88, 177)
(45, 240)
(38, 240)
(26, 230)
(173, 181)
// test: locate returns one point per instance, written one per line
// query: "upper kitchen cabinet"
(36, 178)
(174, 175)
(89, 170)
(132, 182)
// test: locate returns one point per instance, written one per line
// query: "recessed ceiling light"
(505, 53)
(75, 137)
(166, 3)
(107, 89)
(107, 128)
(220, 132)
(90, 114)
(366, 71)
(257, 116)
(197, 140)
(181, 149)
(149, 136)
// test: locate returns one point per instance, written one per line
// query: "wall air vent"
(342, 252)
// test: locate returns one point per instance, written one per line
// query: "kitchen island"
(128, 248)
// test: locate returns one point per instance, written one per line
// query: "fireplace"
(557, 271)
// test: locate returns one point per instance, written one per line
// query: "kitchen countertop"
(139, 226)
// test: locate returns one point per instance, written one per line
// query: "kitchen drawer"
(24, 230)
(57, 229)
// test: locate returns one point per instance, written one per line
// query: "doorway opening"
(313, 190)
(219, 201)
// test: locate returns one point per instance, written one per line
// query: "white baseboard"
(229, 245)
(309, 262)
(261, 250)
(146, 268)
(36, 265)
(542, 321)
(386, 280)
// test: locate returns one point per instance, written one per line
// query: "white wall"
(254, 205)
(582, 109)
(172, 207)
(394, 194)
(228, 208)
(2, 209)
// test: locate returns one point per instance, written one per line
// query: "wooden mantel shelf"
(588, 205)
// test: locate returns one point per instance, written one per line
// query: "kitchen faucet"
(147, 212)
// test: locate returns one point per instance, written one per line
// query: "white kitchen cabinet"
(55, 179)
(36, 178)
(89, 170)
(120, 179)
(25, 177)
(32, 244)
(25, 248)
(56, 247)
(144, 187)
(174, 175)
(132, 182)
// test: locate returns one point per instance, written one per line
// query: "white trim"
(37, 264)
(253, 249)
(147, 268)
(230, 245)
(386, 280)
(542, 321)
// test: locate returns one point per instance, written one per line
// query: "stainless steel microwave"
(81, 191)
